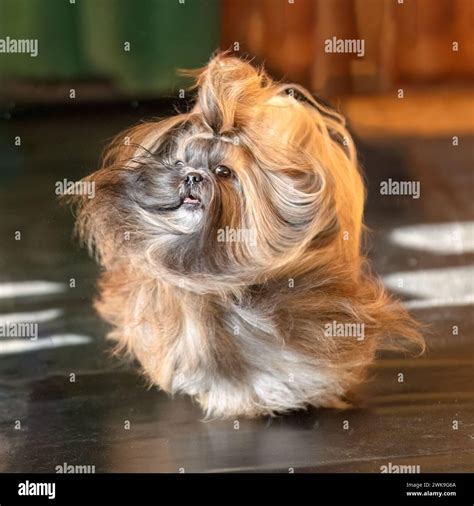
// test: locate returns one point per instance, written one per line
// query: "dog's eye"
(179, 163)
(222, 171)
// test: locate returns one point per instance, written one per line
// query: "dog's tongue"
(191, 200)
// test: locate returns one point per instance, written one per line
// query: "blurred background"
(115, 48)
(104, 65)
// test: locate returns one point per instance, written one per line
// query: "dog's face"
(246, 183)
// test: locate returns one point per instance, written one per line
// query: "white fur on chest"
(278, 377)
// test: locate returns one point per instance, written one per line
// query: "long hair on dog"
(230, 242)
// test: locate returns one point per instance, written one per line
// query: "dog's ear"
(89, 226)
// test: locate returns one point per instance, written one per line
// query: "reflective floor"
(63, 399)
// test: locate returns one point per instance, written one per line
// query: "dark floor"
(107, 417)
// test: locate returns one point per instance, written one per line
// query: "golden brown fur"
(240, 325)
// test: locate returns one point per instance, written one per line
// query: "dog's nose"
(192, 178)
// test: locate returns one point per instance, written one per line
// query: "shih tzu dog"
(229, 238)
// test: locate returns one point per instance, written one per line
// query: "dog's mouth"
(192, 201)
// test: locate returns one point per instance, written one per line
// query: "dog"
(230, 242)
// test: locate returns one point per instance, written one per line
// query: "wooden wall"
(406, 41)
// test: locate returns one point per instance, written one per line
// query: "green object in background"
(137, 44)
